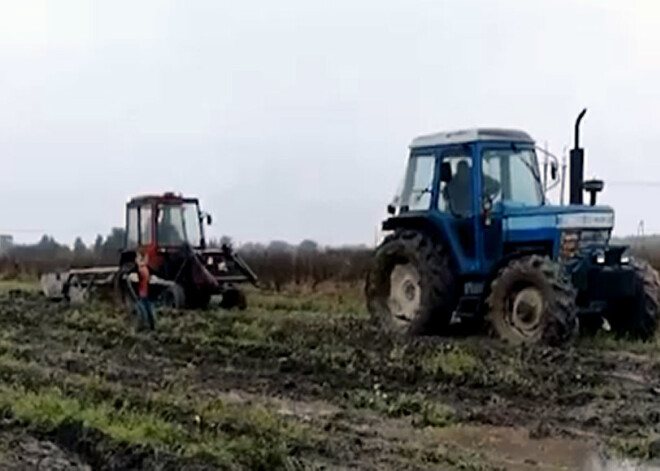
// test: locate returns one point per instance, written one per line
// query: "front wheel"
(637, 318)
(532, 300)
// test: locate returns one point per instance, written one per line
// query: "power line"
(632, 183)
(23, 231)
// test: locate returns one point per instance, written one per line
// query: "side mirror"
(391, 209)
(445, 172)
(553, 170)
(209, 219)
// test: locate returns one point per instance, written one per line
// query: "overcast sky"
(291, 119)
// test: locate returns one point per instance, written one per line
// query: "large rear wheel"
(410, 285)
(637, 318)
(532, 300)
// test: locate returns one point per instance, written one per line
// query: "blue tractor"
(472, 238)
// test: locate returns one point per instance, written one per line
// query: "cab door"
(455, 203)
(493, 175)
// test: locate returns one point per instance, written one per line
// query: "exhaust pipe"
(577, 165)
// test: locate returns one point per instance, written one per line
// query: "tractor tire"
(172, 297)
(532, 300)
(410, 287)
(233, 298)
(637, 318)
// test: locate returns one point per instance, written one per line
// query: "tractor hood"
(573, 216)
(545, 222)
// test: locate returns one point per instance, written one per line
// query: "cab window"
(418, 186)
(132, 228)
(145, 225)
(170, 225)
(512, 175)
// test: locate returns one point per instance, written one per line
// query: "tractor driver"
(458, 191)
(168, 233)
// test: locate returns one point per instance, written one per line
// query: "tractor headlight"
(625, 259)
(569, 244)
(600, 257)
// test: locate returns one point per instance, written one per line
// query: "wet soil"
(365, 400)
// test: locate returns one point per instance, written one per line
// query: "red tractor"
(185, 271)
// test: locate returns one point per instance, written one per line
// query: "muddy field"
(304, 382)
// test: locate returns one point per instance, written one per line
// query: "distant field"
(301, 381)
(10, 285)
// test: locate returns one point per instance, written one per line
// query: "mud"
(364, 400)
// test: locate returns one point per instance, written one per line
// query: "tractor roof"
(169, 197)
(471, 135)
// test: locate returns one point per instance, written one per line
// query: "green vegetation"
(424, 412)
(221, 433)
(454, 362)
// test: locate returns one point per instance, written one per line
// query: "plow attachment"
(75, 285)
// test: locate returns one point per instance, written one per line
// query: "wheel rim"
(405, 293)
(526, 312)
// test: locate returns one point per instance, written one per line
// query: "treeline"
(33, 259)
(646, 247)
(277, 264)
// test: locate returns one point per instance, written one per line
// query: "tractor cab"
(162, 221)
(483, 193)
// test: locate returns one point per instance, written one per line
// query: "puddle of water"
(513, 449)
(596, 463)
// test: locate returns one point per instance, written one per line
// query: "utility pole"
(545, 167)
(563, 177)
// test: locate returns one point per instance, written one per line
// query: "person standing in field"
(144, 306)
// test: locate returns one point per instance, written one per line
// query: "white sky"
(291, 119)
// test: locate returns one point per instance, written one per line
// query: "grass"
(608, 342)
(332, 299)
(637, 448)
(423, 411)
(28, 285)
(218, 433)
(455, 362)
(49, 408)
(169, 419)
